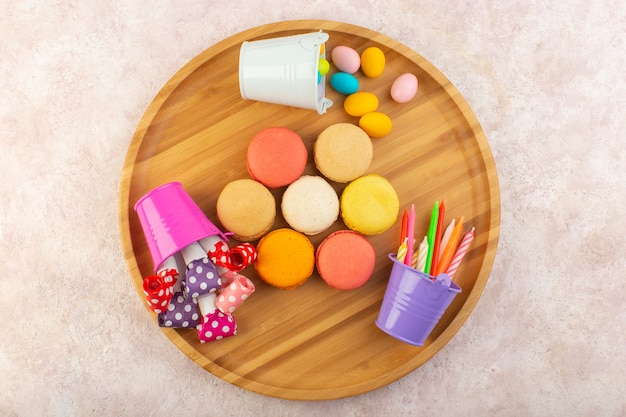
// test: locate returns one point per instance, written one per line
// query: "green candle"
(432, 229)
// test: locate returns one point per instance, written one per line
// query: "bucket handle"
(324, 104)
(313, 40)
(438, 288)
(444, 280)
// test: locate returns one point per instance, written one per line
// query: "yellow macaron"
(369, 204)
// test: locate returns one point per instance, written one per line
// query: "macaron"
(310, 205)
(345, 260)
(285, 258)
(276, 156)
(343, 152)
(246, 208)
(369, 204)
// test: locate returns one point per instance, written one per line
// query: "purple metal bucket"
(414, 302)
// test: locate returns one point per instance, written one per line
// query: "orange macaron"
(276, 157)
(285, 258)
(345, 260)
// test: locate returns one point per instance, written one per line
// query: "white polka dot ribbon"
(234, 259)
(201, 278)
(180, 313)
(158, 289)
(216, 326)
(234, 294)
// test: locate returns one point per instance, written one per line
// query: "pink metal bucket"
(171, 220)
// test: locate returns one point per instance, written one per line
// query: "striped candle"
(460, 253)
(402, 250)
(414, 259)
(422, 254)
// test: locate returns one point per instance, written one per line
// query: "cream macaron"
(310, 205)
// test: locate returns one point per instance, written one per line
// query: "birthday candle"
(432, 230)
(402, 250)
(422, 254)
(446, 236)
(410, 236)
(437, 242)
(450, 248)
(414, 258)
(460, 253)
(405, 224)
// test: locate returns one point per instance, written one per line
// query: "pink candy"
(346, 59)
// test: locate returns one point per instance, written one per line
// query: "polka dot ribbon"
(234, 294)
(181, 309)
(215, 326)
(201, 278)
(228, 277)
(180, 313)
(234, 259)
(159, 289)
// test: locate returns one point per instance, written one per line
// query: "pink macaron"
(345, 260)
(276, 157)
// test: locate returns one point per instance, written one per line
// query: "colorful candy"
(344, 83)
(372, 62)
(323, 66)
(404, 88)
(346, 59)
(375, 124)
(363, 104)
(360, 103)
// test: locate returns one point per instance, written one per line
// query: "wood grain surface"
(315, 342)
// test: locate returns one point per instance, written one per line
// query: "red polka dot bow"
(234, 259)
(159, 289)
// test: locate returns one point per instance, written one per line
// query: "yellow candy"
(375, 124)
(372, 62)
(323, 66)
(360, 103)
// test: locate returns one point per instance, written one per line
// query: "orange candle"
(448, 253)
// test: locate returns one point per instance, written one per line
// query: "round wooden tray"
(315, 342)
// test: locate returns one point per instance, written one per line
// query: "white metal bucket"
(285, 71)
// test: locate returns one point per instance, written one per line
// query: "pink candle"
(460, 253)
